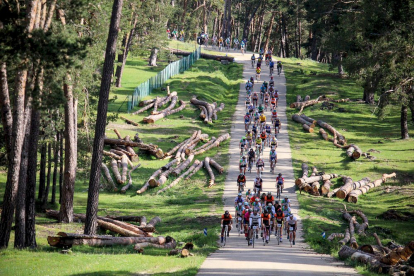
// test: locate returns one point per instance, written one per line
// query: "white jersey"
(255, 220)
(291, 221)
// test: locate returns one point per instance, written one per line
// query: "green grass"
(185, 210)
(361, 127)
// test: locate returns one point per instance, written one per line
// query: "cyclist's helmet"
(271, 77)
(240, 194)
(244, 138)
(276, 202)
(226, 213)
(246, 204)
(244, 157)
(280, 174)
(247, 113)
(257, 199)
(265, 211)
(291, 215)
(251, 149)
(269, 193)
(286, 196)
(269, 204)
(250, 210)
(241, 174)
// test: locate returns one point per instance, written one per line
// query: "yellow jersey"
(262, 118)
(258, 141)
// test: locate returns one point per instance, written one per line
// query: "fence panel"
(144, 89)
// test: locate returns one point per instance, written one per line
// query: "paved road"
(236, 258)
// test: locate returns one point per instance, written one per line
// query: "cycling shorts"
(266, 223)
(242, 166)
(260, 166)
(245, 221)
(226, 222)
(268, 131)
(266, 100)
(279, 220)
(272, 158)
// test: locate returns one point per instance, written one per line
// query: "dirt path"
(237, 258)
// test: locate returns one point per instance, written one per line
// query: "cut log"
(364, 225)
(152, 149)
(171, 244)
(346, 188)
(307, 128)
(378, 250)
(146, 185)
(210, 172)
(361, 183)
(356, 255)
(307, 98)
(203, 113)
(129, 184)
(108, 176)
(112, 155)
(154, 221)
(129, 121)
(202, 55)
(401, 254)
(351, 221)
(324, 134)
(133, 155)
(119, 150)
(117, 133)
(315, 185)
(353, 152)
(126, 229)
(176, 181)
(170, 107)
(333, 131)
(115, 170)
(146, 102)
(216, 143)
(151, 119)
(306, 103)
(70, 240)
(128, 218)
(305, 170)
(169, 168)
(191, 145)
(299, 119)
(219, 108)
(157, 100)
(124, 165)
(212, 140)
(335, 235)
(184, 145)
(143, 221)
(353, 195)
(174, 149)
(326, 187)
(312, 179)
(332, 193)
(298, 98)
(216, 165)
(145, 108)
(208, 107)
(346, 238)
(308, 119)
(195, 170)
(183, 166)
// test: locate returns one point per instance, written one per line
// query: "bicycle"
(291, 235)
(241, 186)
(253, 63)
(278, 191)
(278, 232)
(266, 234)
(258, 150)
(272, 166)
(226, 230)
(255, 233)
(271, 71)
(279, 70)
(250, 165)
(242, 148)
(239, 224)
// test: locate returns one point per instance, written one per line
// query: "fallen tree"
(333, 131)
(152, 118)
(216, 143)
(210, 172)
(202, 55)
(206, 105)
(353, 152)
(168, 243)
(146, 185)
(152, 149)
(129, 184)
(216, 165)
(310, 180)
(349, 186)
(196, 169)
(353, 195)
(108, 176)
(115, 170)
(176, 181)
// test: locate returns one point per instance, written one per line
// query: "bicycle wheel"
(239, 228)
(225, 237)
(264, 237)
(278, 236)
(254, 237)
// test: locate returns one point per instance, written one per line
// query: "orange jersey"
(229, 218)
(265, 217)
(269, 200)
(263, 136)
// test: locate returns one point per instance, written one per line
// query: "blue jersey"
(272, 64)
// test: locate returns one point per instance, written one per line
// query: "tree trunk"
(61, 166)
(312, 179)
(269, 31)
(20, 219)
(153, 57)
(55, 167)
(404, 122)
(353, 195)
(49, 171)
(108, 68)
(9, 199)
(346, 188)
(68, 187)
(5, 109)
(42, 175)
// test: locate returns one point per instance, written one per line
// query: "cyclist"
(238, 199)
(252, 81)
(268, 130)
(242, 145)
(260, 166)
(277, 125)
(276, 95)
(248, 85)
(228, 43)
(249, 194)
(291, 221)
(266, 223)
(235, 44)
(263, 90)
(253, 58)
(274, 111)
(251, 158)
(286, 201)
(246, 215)
(254, 129)
(269, 198)
(251, 109)
(238, 213)
(220, 41)
(273, 104)
(243, 164)
(279, 182)
(241, 182)
(262, 199)
(272, 212)
(271, 66)
(279, 220)
(266, 100)
(279, 67)
(262, 121)
(258, 146)
(247, 102)
(286, 211)
(249, 138)
(255, 97)
(260, 109)
(272, 159)
(263, 137)
(246, 121)
(278, 206)
(242, 47)
(267, 59)
(266, 84)
(271, 82)
(259, 61)
(226, 219)
(273, 142)
(254, 220)
(258, 183)
(258, 71)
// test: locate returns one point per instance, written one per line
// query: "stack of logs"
(308, 102)
(208, 111)
(381, 259)
(350, 190)
(308, 124)
(159, 102)
(140, 235)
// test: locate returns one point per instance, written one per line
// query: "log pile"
(354, 194)
(308, 102)
(208, 112)
(126, 146)
(131, 233)
(202, 55)
(311, 184)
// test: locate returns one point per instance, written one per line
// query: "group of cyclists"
(257, 211)
(268, 61)
(228, 43)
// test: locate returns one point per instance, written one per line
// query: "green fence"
(174, 68)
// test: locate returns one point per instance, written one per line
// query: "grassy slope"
(360, 127)
(186, 209)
